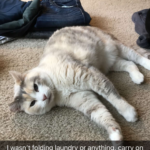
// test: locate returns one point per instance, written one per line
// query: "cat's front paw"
(137, 77)
(130, 114)
(146, 63)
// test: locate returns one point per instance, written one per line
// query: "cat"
(72, 69)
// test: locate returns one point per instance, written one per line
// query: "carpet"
(114, 16)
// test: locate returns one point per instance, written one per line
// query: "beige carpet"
(63, 123)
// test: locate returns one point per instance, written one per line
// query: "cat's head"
(33, 93)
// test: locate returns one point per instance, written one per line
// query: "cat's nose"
(44, 97)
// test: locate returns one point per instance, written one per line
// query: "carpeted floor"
(64, 123)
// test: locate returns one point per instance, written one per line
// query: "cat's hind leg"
(90, 78)
(89, 104)
(130, 67)
(130, 54)
(103, 86)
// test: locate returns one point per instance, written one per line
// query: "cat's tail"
(130, 54)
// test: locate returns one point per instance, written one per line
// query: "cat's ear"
(15, 106)
(16, 76)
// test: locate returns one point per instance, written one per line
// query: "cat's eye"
(36, 88)
(33, 103)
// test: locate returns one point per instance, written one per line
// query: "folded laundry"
(11, 10)
(27, 15)
(142, 27)
(20, 32)
(30, 15)
(41, 22)
(61, 13)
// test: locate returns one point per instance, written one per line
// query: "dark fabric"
(148, 22)
(142, 27)
(144, 41)
(59, 13)
(20, 32)
(27, 22)
(11, 10)
(62, 13)
(139, 18)
(39, 34)
(27, 16)
(44, 29)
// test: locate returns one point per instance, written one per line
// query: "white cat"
(71, 69)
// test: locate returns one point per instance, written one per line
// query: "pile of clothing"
(38, 19)
(142, 27)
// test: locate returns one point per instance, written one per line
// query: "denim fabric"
(61, 13)
(55, 15)
(11, 10)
